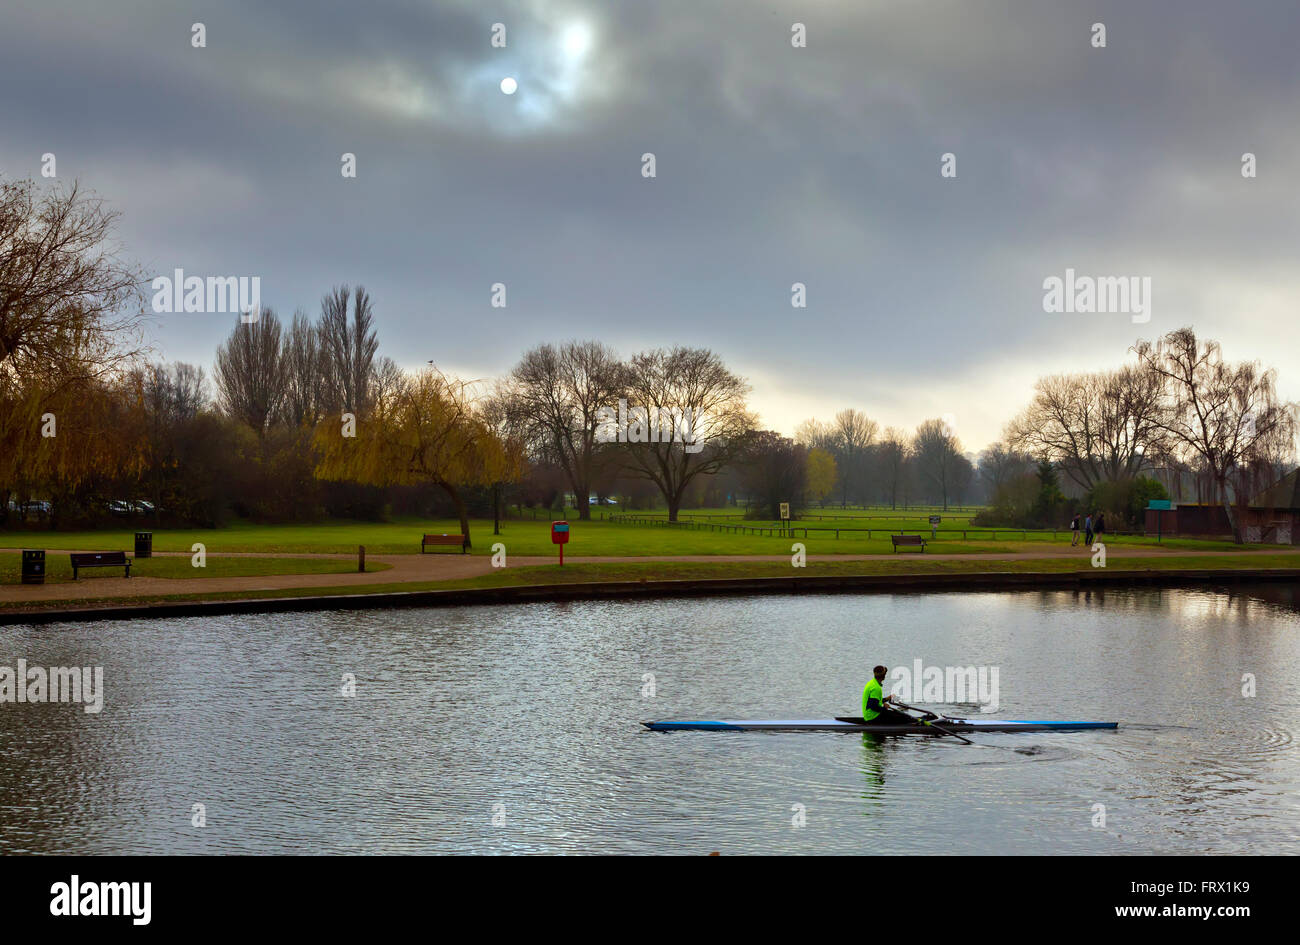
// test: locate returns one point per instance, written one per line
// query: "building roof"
(1283, 494)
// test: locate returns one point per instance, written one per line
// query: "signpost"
(560, 536)
(1158, 506)
(785, 515)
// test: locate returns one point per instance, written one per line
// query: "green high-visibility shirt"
(872, 691)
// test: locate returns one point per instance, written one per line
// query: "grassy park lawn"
(683, 571)
(597, 537)
(59, 569)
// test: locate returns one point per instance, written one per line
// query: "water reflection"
(516, 729)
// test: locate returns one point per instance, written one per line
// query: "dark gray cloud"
(776, 165)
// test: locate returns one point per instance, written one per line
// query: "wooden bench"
(99, 559)
(908, 541)
(462, 540)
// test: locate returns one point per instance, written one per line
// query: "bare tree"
(854, 433)
(893, 453)
(348, 349)
(1098, 427)
(555, 394)
(170, 397)
(68, 305)
(937, 454)
(251, 377)
(1227, 416)
(304, 380)
(497, 412)
(1000, 465)
(691, 383)
(814, 434)
(388, 377)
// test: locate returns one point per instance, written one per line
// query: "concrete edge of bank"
(707, 587)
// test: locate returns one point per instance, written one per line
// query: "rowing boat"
(963, 726)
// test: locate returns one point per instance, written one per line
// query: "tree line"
(305, 420)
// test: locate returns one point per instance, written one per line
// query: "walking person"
(1074, 530)
(1101, 524)
(1087, 532)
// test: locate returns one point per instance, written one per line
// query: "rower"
(874, 703)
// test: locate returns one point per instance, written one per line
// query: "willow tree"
(426, 429)
(58, 433)
(69, 316)
(1225, 417)
(69, 306)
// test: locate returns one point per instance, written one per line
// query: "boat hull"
(961, 726)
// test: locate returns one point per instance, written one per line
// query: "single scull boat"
(963, 726)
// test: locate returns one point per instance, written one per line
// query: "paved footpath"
(410, 568)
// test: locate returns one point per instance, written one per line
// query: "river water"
(515, 729)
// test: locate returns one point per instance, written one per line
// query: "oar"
(937, 728)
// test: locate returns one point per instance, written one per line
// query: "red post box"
(560, 536)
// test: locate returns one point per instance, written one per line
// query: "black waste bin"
(34, 567)
(144, 544)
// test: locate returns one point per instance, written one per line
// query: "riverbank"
(672, 578)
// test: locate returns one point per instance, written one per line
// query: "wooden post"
(361, 558)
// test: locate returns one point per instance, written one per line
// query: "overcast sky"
(775, 165)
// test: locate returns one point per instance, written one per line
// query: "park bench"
(99, 559)
(462, 540)
(908, 541)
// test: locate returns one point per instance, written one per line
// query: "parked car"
(127, 507)
(32, 507)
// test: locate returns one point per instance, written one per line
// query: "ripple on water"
(515, 729)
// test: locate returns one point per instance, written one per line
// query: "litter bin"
(34, 567)
(144, 544)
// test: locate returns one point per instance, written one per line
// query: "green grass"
(659, 571)
(527, 537)
(59, 568)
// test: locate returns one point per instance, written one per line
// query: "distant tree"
(937, 453)
(170, 398)
(692, 382)
(999, 464)
(1050, 502)
(304, 372)
(1125, 499)
(963, 479)
(816, 435)
(504, 422)
(774, 470)
(854, 433)
(1227, 416)
(251, 377)
(429, 430)
(69, 308)
(821, 474)
(347, 349)
(554, 395)
(1097, 427)
(893, 454)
